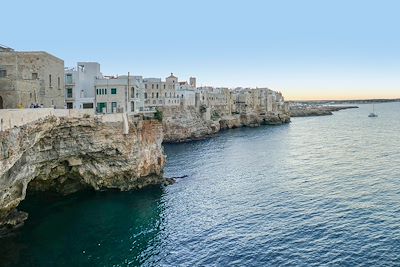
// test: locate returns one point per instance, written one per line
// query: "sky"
(309, 49)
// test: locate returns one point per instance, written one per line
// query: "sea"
(319, 191)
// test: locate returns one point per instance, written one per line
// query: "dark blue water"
(321, 191)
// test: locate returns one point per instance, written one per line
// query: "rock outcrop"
(316, 110)
(182, 124)
(252, 120)
(69, 154)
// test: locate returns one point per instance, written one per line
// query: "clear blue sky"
(309, 49)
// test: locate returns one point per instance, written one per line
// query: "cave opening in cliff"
(63, 179)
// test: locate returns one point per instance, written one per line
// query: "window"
(49, 80)
(152, 95)
(165, 94)
(132, 92)
(58, 82)
(102, 91)
(133, 106)
(34, 75)
(105, 91)
(157, 86)
(69, 92)
(152, 86)
(69, 105)
(145, 86)
(164, 86)
(145, 95)
(157, 95)
(114, 107)
(154, 101)
(3, 73)
(87, 105)
(113, 91)
(68, 79)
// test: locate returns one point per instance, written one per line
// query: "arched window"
(157, 95)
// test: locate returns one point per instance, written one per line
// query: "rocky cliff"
(67, 154)
(252, 120)
(182, 124)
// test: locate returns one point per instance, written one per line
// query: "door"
(1, 103)
(114, 107)
(102, 107)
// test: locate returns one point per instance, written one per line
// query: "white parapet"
(10, 118)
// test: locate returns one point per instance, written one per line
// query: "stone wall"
(10, 118)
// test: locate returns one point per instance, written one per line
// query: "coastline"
(313, 110)
(53, 172)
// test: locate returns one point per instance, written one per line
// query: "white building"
(119, 94)
(187, 92)
(80, 85)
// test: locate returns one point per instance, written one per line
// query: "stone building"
(159, 93)
(219, 100)
(80, 85)
(257, 100)
(119, 94)
(30, 77)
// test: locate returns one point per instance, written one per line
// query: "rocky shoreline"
(186, 124)
(316, 110)
(66, 155)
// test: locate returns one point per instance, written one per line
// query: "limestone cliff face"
(182, 124)
(252, 120)
(66, 155)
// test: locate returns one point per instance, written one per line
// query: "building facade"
(159, 93)
(80, 85)
(30, 78)
(119, 94)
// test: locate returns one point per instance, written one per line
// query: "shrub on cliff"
(158, 115)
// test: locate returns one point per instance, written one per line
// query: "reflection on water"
(319, 191)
